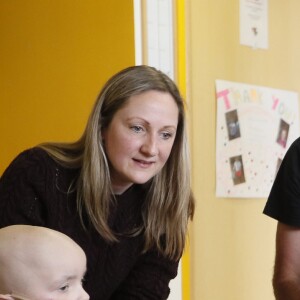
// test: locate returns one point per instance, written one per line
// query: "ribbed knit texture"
(34, 190)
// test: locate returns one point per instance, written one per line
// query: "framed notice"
(254, 23)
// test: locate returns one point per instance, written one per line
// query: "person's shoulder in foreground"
(283, 203)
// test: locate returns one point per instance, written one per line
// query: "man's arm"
(286, 280)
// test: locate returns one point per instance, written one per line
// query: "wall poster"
(255, 127)
(254, 23)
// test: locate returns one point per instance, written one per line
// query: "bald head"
(34, 259)
(29, 238)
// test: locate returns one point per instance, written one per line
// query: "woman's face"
(139, 139)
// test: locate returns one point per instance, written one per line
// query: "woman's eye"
(166, 135)
(137, 128)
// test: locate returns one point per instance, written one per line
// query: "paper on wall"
(255, 127)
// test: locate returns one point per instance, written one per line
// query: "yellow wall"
(54, 57)
(232, 242)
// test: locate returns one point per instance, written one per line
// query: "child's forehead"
(39, 249)
(33, 238)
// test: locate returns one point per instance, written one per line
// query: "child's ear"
(6, 297)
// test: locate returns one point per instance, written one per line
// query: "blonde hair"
(169, 203)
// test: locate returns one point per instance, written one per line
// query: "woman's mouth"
(143, 163)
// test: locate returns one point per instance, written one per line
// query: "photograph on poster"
(237, 169)
(255, 127)
(283, 133)
(233, 126)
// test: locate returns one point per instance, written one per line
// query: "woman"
(122, 191)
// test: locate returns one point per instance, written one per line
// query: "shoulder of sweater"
(33, 159)
(37, 155)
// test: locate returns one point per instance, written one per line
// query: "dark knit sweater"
(35, 190)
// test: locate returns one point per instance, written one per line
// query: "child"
(40, 263)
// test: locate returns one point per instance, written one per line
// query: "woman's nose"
(149, 146)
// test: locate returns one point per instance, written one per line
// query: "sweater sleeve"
(21, 188)
(149, 279)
